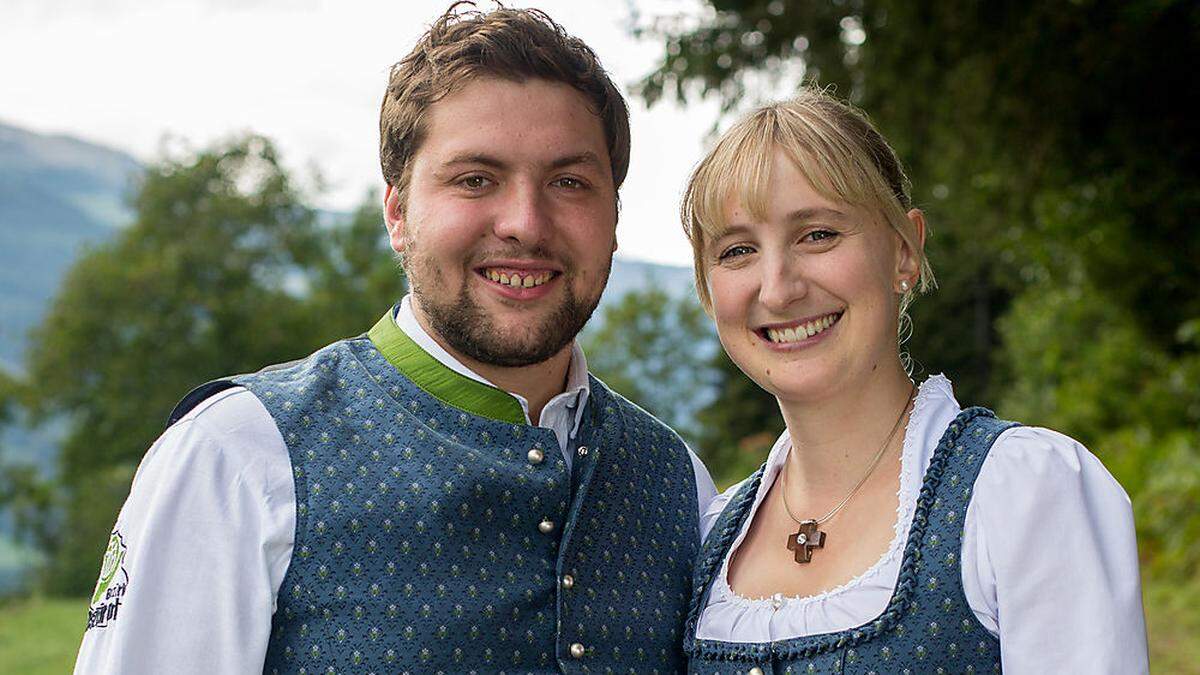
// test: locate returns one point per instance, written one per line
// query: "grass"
(1173, 621)
(41, 636)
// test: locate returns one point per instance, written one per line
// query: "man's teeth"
(801, 332)
(517, 280)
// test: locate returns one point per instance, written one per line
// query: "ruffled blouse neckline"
(862, 598)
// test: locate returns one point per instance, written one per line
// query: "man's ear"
(908, 259)
(394, 218)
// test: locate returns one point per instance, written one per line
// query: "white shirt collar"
(574, 396)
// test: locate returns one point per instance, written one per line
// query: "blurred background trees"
(1049, 144)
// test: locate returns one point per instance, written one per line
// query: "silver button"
(583, 450)
(756, 671)
(535, 456)
(568, 581)
(577, 651)
(546, 526)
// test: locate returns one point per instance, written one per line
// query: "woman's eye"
(735, 252)
(819, 235)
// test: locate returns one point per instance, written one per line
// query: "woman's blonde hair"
(833, 145)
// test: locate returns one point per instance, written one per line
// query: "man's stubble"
(469, 329)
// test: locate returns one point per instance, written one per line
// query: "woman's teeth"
(517, 279)
(803, 331)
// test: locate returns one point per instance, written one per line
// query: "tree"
(224, 270)
(653, 349)
(357, 275)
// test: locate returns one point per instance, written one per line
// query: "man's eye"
(474, 182)
(570, 183)
(735, 252)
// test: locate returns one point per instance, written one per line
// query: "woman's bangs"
(739, 172)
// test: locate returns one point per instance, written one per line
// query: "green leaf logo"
(114, 555)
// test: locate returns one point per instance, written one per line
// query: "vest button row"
(568, 581)
(535, 456)
(546, 526)
(577, 650)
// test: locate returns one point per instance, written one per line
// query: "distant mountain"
(57, 194)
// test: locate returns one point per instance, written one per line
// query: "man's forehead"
(490, 116)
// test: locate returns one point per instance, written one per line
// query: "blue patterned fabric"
(429, 539)
(927, 626)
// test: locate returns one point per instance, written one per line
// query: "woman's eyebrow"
(815, 213)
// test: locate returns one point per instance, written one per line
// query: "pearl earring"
(904, 285)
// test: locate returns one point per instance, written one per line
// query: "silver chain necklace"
(809, 536)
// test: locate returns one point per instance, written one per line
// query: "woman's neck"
(834, 438)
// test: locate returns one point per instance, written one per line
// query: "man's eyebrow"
(585, 157)
(474, 158)
(815, 213)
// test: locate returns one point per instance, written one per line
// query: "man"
(450, 492)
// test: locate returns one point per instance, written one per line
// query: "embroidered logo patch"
(110, 587)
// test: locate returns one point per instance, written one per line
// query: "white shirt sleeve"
(1050, 559)
(205, 538)
(706, 491)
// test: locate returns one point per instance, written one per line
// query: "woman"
(889, 530)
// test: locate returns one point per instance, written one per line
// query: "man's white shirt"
(205, 537)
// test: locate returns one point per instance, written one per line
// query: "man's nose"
(783, 283)
(524, 216)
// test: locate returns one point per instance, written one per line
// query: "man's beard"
(470, 330)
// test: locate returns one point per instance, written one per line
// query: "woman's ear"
(909, 256)
(394, 218)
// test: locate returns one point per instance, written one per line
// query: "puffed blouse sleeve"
(1050, 551)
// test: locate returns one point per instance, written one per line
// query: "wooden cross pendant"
(805, 540)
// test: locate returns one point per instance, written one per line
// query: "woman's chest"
(782, 557)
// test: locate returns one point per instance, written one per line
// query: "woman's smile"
(800, 333)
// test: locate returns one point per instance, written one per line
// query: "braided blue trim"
(809, 646)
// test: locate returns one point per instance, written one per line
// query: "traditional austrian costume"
(419, 524)
(1014, 550)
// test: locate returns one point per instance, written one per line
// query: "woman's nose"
(783, 284)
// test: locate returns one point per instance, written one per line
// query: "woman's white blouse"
(1049, 558)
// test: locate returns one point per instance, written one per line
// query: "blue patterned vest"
(438, 532)
(927, 626)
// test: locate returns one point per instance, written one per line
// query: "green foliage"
(224, 270)
(8, 395)
(1082, 365)
(654, 349)
(357, 275)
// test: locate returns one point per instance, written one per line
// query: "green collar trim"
(441, 382)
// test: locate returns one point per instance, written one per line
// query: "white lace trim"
(907, 503)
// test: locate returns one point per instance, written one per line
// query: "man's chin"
(514, 346)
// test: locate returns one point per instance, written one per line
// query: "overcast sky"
(309, 74)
